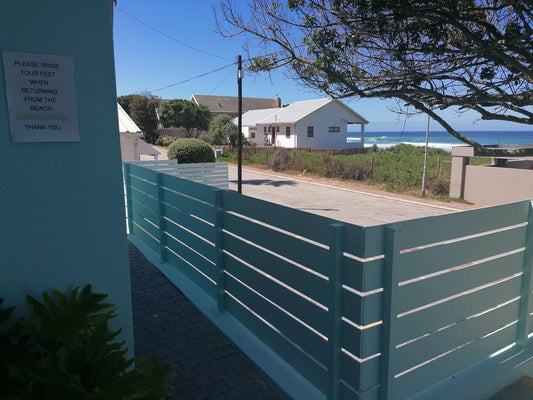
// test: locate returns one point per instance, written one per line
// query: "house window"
(310, 131)
(265, 129)
(277, 128)
(252, 135)
(287, 131)
(335, 129)
(269, 129)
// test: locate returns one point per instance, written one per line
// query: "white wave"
(442, 146)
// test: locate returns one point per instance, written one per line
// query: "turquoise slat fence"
(212, 174)
(379, 312)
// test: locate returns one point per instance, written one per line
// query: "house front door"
(273, 136)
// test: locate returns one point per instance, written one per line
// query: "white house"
(131, 144)
(315, 124)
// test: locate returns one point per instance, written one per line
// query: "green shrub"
(438, 186)
(190, 150)
(65, 350)
(164, 140)
(279, 161)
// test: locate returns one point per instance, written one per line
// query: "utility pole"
(425, 160)
(239, 125)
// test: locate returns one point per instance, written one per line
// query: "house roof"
(292, 113)
(229, 104)
(125, 123)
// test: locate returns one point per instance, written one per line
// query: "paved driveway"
(340, 203)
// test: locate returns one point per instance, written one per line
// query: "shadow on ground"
(259, 182)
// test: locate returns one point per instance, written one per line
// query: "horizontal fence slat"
(141, 209)
(449, 364)
(298, 278)
(202, 281)
(363, 276)
(311, 370)
(360, 375)
(430, 319)
(422, 231)
(207, 250)
(362, 310)
(142, 173)
(291, 247)
(146, 200)
(440, 342)
(192, 257)
(374, 241)
(296, 305)
(301, 223)
(312, 344)
(141, 234)
(190, 206)
(433, 259)
(362, 343)
(145, 224)
(199, 227)
(190, 188)
(426, 291)
(143, 186)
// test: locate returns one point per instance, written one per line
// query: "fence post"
(390, 312)
(526, 306)
(219, 226)
(162, 236)
(127, 184)
(336, 244)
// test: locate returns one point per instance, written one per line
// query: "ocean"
(442, 139)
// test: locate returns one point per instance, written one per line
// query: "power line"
(194, 77)
(170, 37)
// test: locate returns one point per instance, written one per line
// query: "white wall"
(332, 114)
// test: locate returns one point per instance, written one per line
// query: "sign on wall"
(41, 97)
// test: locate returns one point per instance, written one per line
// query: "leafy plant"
(189, 150)
(65, 350)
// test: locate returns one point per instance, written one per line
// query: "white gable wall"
(331, 114)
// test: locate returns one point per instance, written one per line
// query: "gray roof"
(229, 104)
(292, 113)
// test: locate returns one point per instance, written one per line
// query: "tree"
(429, 54)
(186, 114)
(142, 109)
(221, 128)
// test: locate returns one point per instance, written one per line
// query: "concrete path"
(335, 199)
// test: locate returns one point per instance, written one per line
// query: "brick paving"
(206, 364)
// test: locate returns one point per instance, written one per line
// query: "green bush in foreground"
(65, 350)
(190, 150)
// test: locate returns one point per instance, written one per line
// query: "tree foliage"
(66, 350)
(183, 113)
(221, 129)
(430, 54)
(142, 109)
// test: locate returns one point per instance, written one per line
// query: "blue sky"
(146, 60)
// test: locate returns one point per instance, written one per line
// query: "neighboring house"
(315, 124)
(230, 105)
(131, 144)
